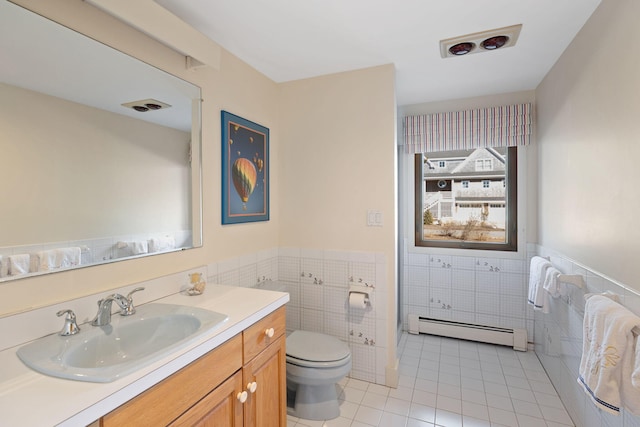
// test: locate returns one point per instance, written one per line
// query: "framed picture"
(245, 170)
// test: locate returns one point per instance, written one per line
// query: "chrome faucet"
(70, 326)
(130, 308)
(103, 318)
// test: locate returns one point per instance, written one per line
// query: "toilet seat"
(314, 350)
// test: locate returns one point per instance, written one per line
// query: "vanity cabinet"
(240, 383)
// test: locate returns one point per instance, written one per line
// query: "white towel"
(158, 244)
(551, 283)
(608, 355)
(537, 272)
(68, 257)
(139, 247)
(4, 266)
(34, 262)
(19, 264)
(47, 260)
(635, 376)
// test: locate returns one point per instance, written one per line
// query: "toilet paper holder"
(361, 290)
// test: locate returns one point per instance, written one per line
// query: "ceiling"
(296, 39)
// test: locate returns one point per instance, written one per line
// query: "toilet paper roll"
(358, 300)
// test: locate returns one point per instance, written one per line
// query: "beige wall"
(588, 109)
(337, 161)
(73, 183)
(234, 87)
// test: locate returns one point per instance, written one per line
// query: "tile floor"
(452, 383)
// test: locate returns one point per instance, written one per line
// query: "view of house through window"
(466, 198)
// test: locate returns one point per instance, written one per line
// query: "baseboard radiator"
(516, 338)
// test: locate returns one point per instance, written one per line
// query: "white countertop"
(28, 398)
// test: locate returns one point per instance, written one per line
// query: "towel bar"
(572, 279)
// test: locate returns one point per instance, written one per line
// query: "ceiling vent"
(480, 42)
(146, 105)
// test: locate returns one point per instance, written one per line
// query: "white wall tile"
(558, 342)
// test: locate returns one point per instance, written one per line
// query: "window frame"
(511, 200)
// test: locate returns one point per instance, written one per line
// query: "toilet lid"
(316, 347)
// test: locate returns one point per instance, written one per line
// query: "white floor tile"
(338, 422)
(449, 391)
(528, 421)
(424, 398)
(474, 422)
(352, 395)
(474, 396)
(422, 412)
(448, 419)
(378, 389)
(373, 400)
(500, 402)
(449, 404)
(397, 406)
(558, 415)
(392, 420)
(526, 408)
(449, 383)
(475, 410)
(417, 423)
(403, 393)
(348, 409)
(368, 415)
(503, 417)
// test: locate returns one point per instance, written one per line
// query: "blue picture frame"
(245, 170)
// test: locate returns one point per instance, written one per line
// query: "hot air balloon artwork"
(245, 170)
(244, 177)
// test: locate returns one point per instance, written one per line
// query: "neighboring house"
(464, 184)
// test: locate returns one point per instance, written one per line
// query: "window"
(484, 165)
(442, 164)
(476, 212)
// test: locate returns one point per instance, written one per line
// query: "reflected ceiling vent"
(480, 42)
(146, 105)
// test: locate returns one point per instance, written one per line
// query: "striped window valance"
(504, 126)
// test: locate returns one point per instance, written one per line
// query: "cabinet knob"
(252, 387)
(242, 396)
(269, 332)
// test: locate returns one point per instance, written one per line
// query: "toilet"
(315, 364)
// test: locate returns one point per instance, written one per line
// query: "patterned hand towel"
(608, 355)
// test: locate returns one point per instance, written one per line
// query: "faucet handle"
(130, 309)
(70, 326)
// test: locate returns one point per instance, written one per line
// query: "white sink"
(104, 354)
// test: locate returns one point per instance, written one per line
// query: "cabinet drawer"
(170, 398)
(255, 338)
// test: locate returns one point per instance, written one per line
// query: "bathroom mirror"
(99, 152)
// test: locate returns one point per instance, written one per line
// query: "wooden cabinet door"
(267, 405)
(169, 399)
(220, 408)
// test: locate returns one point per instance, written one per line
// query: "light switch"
(374, 218)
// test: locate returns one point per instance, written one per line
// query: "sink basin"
(104, 354)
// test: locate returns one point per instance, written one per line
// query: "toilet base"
(314, 402)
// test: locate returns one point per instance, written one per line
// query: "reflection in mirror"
(85, 178)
